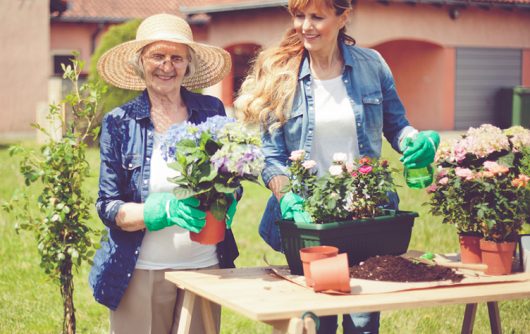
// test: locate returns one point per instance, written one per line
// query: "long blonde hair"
(266, 95)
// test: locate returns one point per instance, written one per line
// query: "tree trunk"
(67, 292)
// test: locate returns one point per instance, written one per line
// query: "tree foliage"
(115, 35)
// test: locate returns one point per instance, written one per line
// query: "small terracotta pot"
(470, 248)
(212, 233)
(498, 256)
(309, 254)
(331, 273)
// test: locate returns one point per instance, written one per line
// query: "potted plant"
(481, 186)
(347, 207)
(211, 160)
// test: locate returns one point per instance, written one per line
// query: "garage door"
(480, 75)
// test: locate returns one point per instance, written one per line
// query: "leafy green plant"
(58, 171)
(211, 160)
(346, 191)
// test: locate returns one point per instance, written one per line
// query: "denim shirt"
(126, 146)
(375, 103)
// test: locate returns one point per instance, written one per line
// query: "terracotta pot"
(470, 248)
(309, 254)
(331, 273)
(498, 256)
(212, 233)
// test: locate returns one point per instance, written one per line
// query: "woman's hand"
(130, 217)
(164, 209)
(277, 185)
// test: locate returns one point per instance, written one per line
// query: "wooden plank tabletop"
(262, 296)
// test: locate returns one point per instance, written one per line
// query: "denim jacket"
(375, 103)
(126, 146)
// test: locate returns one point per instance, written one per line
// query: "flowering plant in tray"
(212, 158)
(347, 191)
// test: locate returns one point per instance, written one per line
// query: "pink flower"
(443, 180)
(432, 188)
(297, 155)
(365, 169)
(349, 167)
(495, 168)
(308, 164)
(464, 173)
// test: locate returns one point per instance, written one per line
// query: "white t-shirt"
(335, 129)
(171, 247)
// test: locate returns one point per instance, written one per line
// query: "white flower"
(340, 157)
(335, 170)
(308, 164)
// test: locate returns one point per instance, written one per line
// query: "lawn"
(32, 304)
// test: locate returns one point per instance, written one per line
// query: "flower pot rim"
(332, 225)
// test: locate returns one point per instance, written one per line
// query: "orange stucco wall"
(24, 37)
(422, 80)
(526, 68)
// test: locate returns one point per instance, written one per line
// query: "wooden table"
(259, 295)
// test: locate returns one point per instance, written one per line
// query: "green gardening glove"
(292, 208)
(231, 211)
(164, 209)
(419, 151)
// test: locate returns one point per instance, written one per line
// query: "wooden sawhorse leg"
(190, 300)
(494, 315)
(294, 326)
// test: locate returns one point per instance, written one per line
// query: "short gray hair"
(136, 63)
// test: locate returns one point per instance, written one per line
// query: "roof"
(212, 6)
(115, 10)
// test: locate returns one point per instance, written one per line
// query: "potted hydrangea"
(347, 208)
(481, 187)
(211, 160)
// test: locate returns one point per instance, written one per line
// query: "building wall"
(418, 41)
(24, 36)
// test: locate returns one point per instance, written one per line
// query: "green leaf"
(181, 193)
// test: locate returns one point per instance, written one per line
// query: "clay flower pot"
(309, 254)
(498, 256)
(470, 248)
(331, 273)
(212, 233)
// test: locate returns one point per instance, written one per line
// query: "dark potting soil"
(398, 269)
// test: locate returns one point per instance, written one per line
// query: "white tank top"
(335, 129)
(171, 247)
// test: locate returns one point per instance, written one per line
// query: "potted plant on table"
(347, 208)
(482, 188)
(211, 160)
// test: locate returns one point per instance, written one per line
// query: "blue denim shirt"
(375, 103)
(126, 146)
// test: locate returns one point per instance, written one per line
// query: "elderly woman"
(148, 228)
(320, 93)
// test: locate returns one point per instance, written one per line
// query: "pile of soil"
(397, 269)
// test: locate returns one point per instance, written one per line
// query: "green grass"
(32, 304)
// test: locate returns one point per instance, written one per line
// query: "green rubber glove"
(419, 151)
(231, 211)
(164, 209)
(292, 208)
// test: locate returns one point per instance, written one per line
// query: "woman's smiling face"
(165, 65)
(318, 26)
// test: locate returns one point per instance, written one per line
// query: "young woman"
(319, 92)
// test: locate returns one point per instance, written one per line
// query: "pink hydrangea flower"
(308, 164)
(297, 155)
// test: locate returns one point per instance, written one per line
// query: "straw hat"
(213, 63)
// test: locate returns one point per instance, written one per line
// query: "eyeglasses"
(158, 59)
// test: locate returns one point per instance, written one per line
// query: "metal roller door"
(480, 74)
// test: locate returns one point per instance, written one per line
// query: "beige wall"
(24, 37)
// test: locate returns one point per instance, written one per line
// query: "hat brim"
(213, 64)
